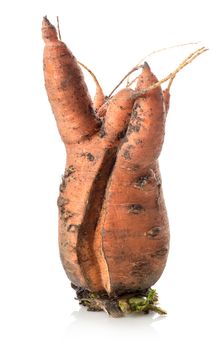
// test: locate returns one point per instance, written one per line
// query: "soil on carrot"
(141, 302)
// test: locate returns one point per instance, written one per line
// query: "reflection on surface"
(98, 324)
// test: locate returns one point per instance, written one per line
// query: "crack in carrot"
(86, 234)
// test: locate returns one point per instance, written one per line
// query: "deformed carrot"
(113, 225)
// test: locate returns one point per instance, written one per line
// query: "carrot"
(133, 217)
(113, 225)
(67, 91)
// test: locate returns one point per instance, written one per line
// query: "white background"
(37, 308)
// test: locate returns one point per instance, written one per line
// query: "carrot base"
(141, 302)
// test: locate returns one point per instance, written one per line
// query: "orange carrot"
(67, 91)
(133, 219)
(113, 225)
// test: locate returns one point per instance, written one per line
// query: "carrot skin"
(117, 116)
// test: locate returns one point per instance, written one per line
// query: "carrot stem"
(120, 306)
(165, 49)
(151, 54)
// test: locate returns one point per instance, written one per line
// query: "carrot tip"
(49, 32)
(46, 21)
(146, 65)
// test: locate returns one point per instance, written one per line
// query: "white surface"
(37, 308)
